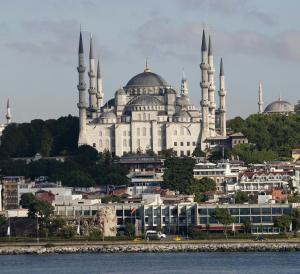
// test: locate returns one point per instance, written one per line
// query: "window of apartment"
(181, 143)
(175, 144)
(188, 144)
(188, 153)
(181, 153)
(140, 116)
(194, 143)
(94, 144)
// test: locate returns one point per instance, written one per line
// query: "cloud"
(161, 38)
(57, 39)
(228, 7)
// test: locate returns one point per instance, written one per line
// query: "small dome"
(110, 103)
(171, 91)
(183, 101)
(182, 114)
(108, 115)
(279, 106)
(145, 100)
(147, 79)
(120, 91)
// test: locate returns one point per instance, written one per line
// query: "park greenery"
(179, 177)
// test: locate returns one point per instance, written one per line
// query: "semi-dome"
(147, 79)
(145, 100)
(279, 106)
(108, 115)
(183, 101)
(182, 114)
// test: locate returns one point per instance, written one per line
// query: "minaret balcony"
(81, 69)
(81, 86)
(204, 84)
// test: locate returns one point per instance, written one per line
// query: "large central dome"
(147, 79)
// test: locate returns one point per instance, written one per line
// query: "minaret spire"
(184, 85)
(82, 140)
(8, 113)
(100, 94)
(260, 98)
(92, 76)
(204, 66)
(222, 94)
(211, 90)
(147, 69)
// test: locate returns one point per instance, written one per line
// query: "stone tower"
(211, 91)
(8, 113)
(82, 140)
(222, 94)
(100, 95)
(260, 98)
(204, 66)
(184, 85)
(92, 76)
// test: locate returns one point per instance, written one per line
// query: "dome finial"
(146, 66)
(280, 99)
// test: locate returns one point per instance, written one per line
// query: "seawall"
(149, 247)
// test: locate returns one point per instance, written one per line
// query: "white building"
(148, 113)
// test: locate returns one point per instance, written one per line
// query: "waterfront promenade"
(142, 246)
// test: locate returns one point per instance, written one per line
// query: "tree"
(283, 222)
(297, 107)
(2, 220)
(241, 197)
(295, 216)
(198, 152)
(199, 187)
(179, 174)
(129, 229)
(167, 153)
(219, 153)
(27, 199)
(223, 216)
(247, 226)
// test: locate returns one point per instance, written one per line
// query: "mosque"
(8, 117)
(277, 107)
(148, 113)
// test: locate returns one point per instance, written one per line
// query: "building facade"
(148, 113)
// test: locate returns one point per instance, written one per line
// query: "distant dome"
(145, 100)
(279, 106)
(110, 103)
(147, 79)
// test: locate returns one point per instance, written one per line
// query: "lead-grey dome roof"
(147, 79)
(145, 100)
(182, 114)
(279, 106)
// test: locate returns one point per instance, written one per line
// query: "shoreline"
(155, 247)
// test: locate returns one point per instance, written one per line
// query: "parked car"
(154, 235)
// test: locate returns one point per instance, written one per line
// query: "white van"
(154, 235)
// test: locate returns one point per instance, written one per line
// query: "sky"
(258, 40)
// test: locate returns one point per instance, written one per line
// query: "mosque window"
(106, 143)
(138, 131)
(124, 133)
(175, 132)
(181, 131)
(149, 117)
(100, 133)
(138, 143)
(144, 131)
(100, 143)
(125, 143)
(144, 116)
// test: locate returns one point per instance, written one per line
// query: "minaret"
(204, 90)
(222, 94)
(82, 140)
(92, 76)
(260, 98)
(184, 85)
(211, 90)
(100, 94)
(8, 113)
